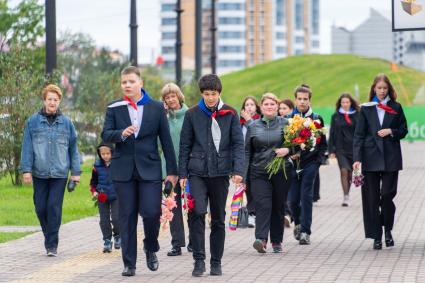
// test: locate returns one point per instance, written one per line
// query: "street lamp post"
(133, 33)
(198, 39)
(178, 61)
(50, 9)
(213, 32)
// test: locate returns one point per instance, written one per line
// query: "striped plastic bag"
(234, 207)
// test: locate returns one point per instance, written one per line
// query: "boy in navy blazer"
(134, 124)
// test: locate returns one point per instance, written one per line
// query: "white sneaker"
(287, 221)
(346, 201)
(251, 221)
(304, 239)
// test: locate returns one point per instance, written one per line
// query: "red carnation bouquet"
(188, 200)
(100, 197)
(300, 133)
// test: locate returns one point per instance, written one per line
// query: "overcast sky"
(107, 21)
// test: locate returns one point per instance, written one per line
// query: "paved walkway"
(338, 252)
(20, 228)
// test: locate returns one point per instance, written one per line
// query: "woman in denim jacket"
(49, 152)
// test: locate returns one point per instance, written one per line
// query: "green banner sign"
(415, 116)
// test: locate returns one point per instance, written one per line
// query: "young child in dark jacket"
(101, 187)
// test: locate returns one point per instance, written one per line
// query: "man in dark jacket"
(306, 168)
(134, 124)
(211, 149)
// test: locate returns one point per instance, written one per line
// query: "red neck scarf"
(347, 118)
(386, 108)
(255, 117)
(221, 113)
(131, 102)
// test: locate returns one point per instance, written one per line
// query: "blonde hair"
(52, 88)
(172, 88)
(271, 96)
(131, 70)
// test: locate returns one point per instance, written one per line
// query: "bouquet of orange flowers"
(300, 133)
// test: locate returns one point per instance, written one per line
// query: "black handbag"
(243, 217)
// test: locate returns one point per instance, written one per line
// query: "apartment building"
(249, 32)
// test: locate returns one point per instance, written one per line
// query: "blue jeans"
(48, 200)
(300, 197)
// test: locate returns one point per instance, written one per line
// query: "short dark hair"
(210, 82)
(304, 88)
(131, 70)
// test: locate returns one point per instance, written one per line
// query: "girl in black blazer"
(380, 127)
(343, 123)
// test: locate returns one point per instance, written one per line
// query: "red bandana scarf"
(243, 121)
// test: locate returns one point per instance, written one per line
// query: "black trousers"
(215, 190)
(316, 191)
(177, 225)
(378, 192)
(250, 205)
(109, 219)
(138, 197)
(48, 200)
(270, 198)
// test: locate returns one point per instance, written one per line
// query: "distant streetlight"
(198, 39)
(213, 31)
(50, 11)
(179, 11)
(133, 33)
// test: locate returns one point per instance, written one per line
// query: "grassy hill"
(327, 75)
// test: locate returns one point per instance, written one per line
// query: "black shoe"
(107, 246)
(199, 268)
(189, 248)
(128, 271)
(117, 243)
(52, 252)
(389, 241)
(175, 252)
(377, 244)
(152, 261)
(216, 269)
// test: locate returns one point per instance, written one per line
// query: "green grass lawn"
(327, 75)
(17, 207)
(9, 236)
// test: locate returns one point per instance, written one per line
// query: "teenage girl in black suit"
(343, 123)
(380, 127)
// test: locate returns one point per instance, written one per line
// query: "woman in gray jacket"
(263, 143)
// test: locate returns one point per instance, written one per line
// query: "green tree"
(152, 81)
(20, 87)
(22, 24)
(21, 78)
(191, 92)
(94, 78)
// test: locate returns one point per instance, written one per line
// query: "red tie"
(386, 108)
